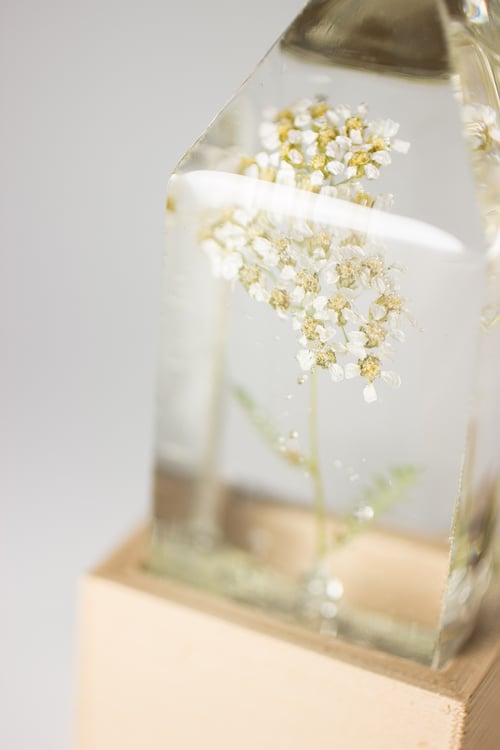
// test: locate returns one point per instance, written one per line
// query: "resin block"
(163, 665)
(328, 412)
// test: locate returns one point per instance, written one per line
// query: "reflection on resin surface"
(326, 401)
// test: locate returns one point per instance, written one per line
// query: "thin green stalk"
(315, 471)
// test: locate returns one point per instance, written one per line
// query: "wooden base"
(164, 666)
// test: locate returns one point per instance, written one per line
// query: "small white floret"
(351, 370)
(369, 393)
(306, 359)
(337, 373)
(391, 378)
(372, 172)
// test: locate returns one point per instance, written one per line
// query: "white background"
(99, 99)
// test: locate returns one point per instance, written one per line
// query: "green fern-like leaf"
(379, 497)
(266, 429)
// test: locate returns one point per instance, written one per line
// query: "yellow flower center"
(319, 109)
(246, 161)
(326, 136)
(308, 281)
(279, 299)
(364, 199)
(310, 329)
(338, 303)
(286, 115)
(354, 123)
(326, 358)
(346, 273)
(374, 265)
(390, 302)
(318, 161)
(359, 159)
(375, 334)
(283, 131)
(268, 174)
(249, 275)
(370, 367)
(323, 240)
(285, 150)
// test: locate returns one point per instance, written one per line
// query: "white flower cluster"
(336, 288)
(482, 128)
(313, 145)
(333, 284)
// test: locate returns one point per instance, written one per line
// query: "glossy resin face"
(327, 408)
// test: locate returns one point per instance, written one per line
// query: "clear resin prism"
(328, 411)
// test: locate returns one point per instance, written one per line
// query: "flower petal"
(372, 172)
(231, 265)
(331, 277)
(262, 159)
(335, 167)
(381, 157)
(320, 302)
(398, 335)
(306, 359)
(351, 371)
(343, 141)
(389, 128)
(377, 311)
(252, 171)
(294, 136)
(357, 337)
(391, 378)
(258, 293)
(337, 373)
(308, 137)
(369, 393)
(356, 137)
(333, 149)
(286, 177)
(262, 246)
(298, 294)
(312, 150)
(302, 120)
(402, 147)
(317, 178)
(268, 133)
(288, 273)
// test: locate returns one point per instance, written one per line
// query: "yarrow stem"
(315, 471)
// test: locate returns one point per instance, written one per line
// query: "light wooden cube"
(165, 667)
